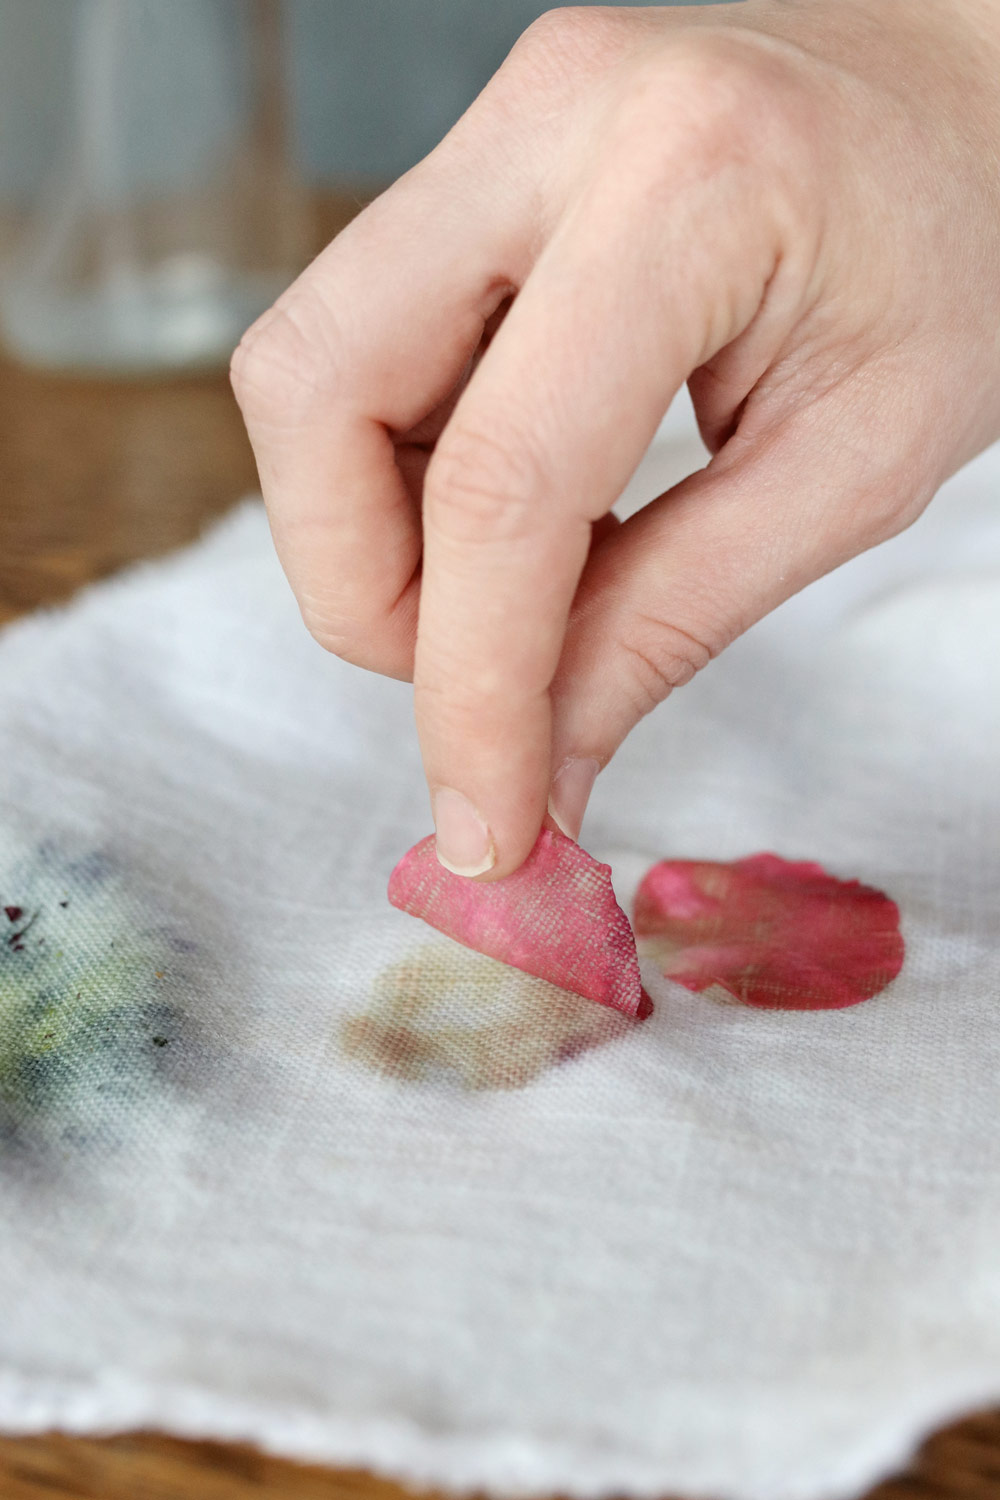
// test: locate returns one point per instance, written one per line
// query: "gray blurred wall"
(376, 82)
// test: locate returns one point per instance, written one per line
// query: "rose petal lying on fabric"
(772, 932)
(556, 917)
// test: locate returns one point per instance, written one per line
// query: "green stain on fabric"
(85, 1018)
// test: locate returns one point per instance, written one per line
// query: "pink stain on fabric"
(556, 917)
(773, 932)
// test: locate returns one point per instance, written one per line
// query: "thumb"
(669, 589)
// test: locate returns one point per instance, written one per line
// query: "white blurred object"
(179, 218)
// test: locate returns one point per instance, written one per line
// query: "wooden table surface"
(94, 475)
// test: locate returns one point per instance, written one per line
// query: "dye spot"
(769, 932)
(556, 918)
(88, 1018)
(446, 1011)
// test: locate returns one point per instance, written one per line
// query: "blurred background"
(166, 167)
(373, 83)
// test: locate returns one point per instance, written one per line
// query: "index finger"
(360, 349)
(540, 445)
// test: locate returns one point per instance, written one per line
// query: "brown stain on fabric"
(447, 1010)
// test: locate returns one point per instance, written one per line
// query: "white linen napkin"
(278, 1163)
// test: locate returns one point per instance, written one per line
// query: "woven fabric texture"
(279, 1162)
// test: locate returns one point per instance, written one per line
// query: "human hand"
(793, 206)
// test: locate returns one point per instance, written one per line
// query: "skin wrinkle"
(496, 504)
(654, 676)
(279, 362)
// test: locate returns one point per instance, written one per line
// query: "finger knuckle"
(335, 634)
(559, 38)
(335, 622)
(459, 699)
(886, 506)
(730, 78)
(659, 657)
(472, 703)
(481, 487)
(378, 634)
(286, 360)
(360, 647)
(712, 100)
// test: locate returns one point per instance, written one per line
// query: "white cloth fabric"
(278, 1163)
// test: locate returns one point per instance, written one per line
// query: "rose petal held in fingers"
(775, 933)
(556, 917)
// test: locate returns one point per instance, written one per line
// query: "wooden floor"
(962, 1463)
(92, 477)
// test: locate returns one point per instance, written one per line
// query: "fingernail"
(571, 789)
(464, 845)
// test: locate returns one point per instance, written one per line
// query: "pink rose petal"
(556, 917)
(772, 932)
